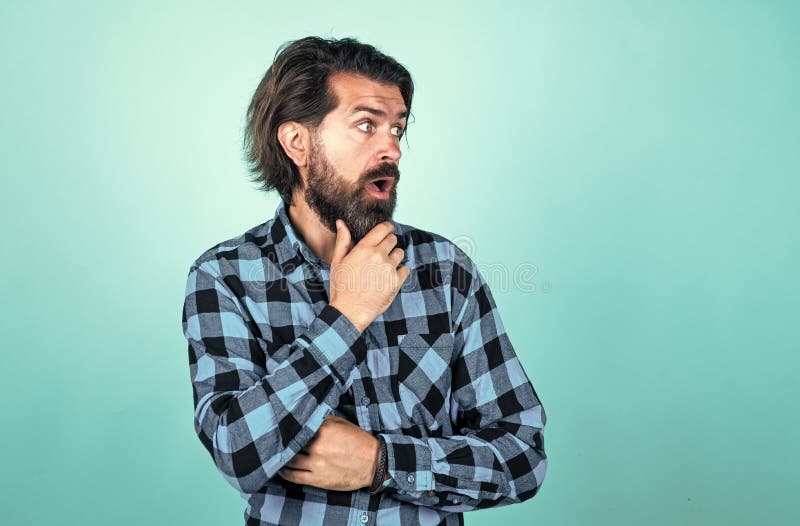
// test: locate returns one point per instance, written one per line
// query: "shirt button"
(401, 491)
(456, 501)
(365, 400)
(410, 477)
(364, 518)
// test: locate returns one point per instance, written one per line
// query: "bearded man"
(347, 368)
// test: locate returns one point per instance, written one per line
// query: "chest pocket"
(424, 378)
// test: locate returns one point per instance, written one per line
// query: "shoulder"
(230, 256)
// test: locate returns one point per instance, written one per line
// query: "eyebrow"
(376, 111)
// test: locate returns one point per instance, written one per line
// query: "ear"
(295, 140)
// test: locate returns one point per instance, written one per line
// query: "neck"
(307, 225)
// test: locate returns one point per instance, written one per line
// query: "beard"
(332, 197)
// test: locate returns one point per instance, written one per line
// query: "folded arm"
(253, 420)
(497, 455)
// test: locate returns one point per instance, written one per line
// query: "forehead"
(355, 90)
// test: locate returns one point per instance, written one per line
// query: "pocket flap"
(439, 340)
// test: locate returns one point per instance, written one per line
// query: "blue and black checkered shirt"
(435, 375)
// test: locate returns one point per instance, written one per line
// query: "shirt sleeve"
(252, 421)
(496, 456)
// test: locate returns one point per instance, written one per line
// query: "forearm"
(465, 472)
(499, 464)
(253, 421)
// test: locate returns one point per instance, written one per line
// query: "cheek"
(348, 153)
(349, 165)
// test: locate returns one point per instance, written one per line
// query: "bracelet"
(380, 469)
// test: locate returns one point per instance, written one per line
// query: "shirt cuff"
(334, 341)
(408, 462)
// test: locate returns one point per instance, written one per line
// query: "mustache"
(382, 170)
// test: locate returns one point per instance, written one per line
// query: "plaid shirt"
(435, 375)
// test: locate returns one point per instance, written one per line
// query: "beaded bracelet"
(380, 470)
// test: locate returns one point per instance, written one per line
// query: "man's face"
(353, 161)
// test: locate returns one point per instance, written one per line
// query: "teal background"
(641, 158)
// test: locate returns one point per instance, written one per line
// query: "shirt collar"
(291, 249)
(288, 245)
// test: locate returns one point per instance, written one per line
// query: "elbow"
(241, 465)
(525, 472)
(241, 470)
(528, 486)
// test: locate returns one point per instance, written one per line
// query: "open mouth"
(380, 187)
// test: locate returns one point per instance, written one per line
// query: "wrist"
(359, 324)
(369, 476)
(380, 473)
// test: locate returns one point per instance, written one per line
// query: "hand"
(366, 279)
(341, 457)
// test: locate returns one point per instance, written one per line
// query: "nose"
(389, 148)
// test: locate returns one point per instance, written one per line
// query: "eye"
(365, 123)
(399, 132)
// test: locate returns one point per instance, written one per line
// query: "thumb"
(402, 274)
(343, 242)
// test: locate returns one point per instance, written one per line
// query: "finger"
(402, 274)
(307, 449)
(343, 242)
(388, 243)
(311, 443)
(301, 462)
(378, 232)
(294, 475)
(396, 255)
